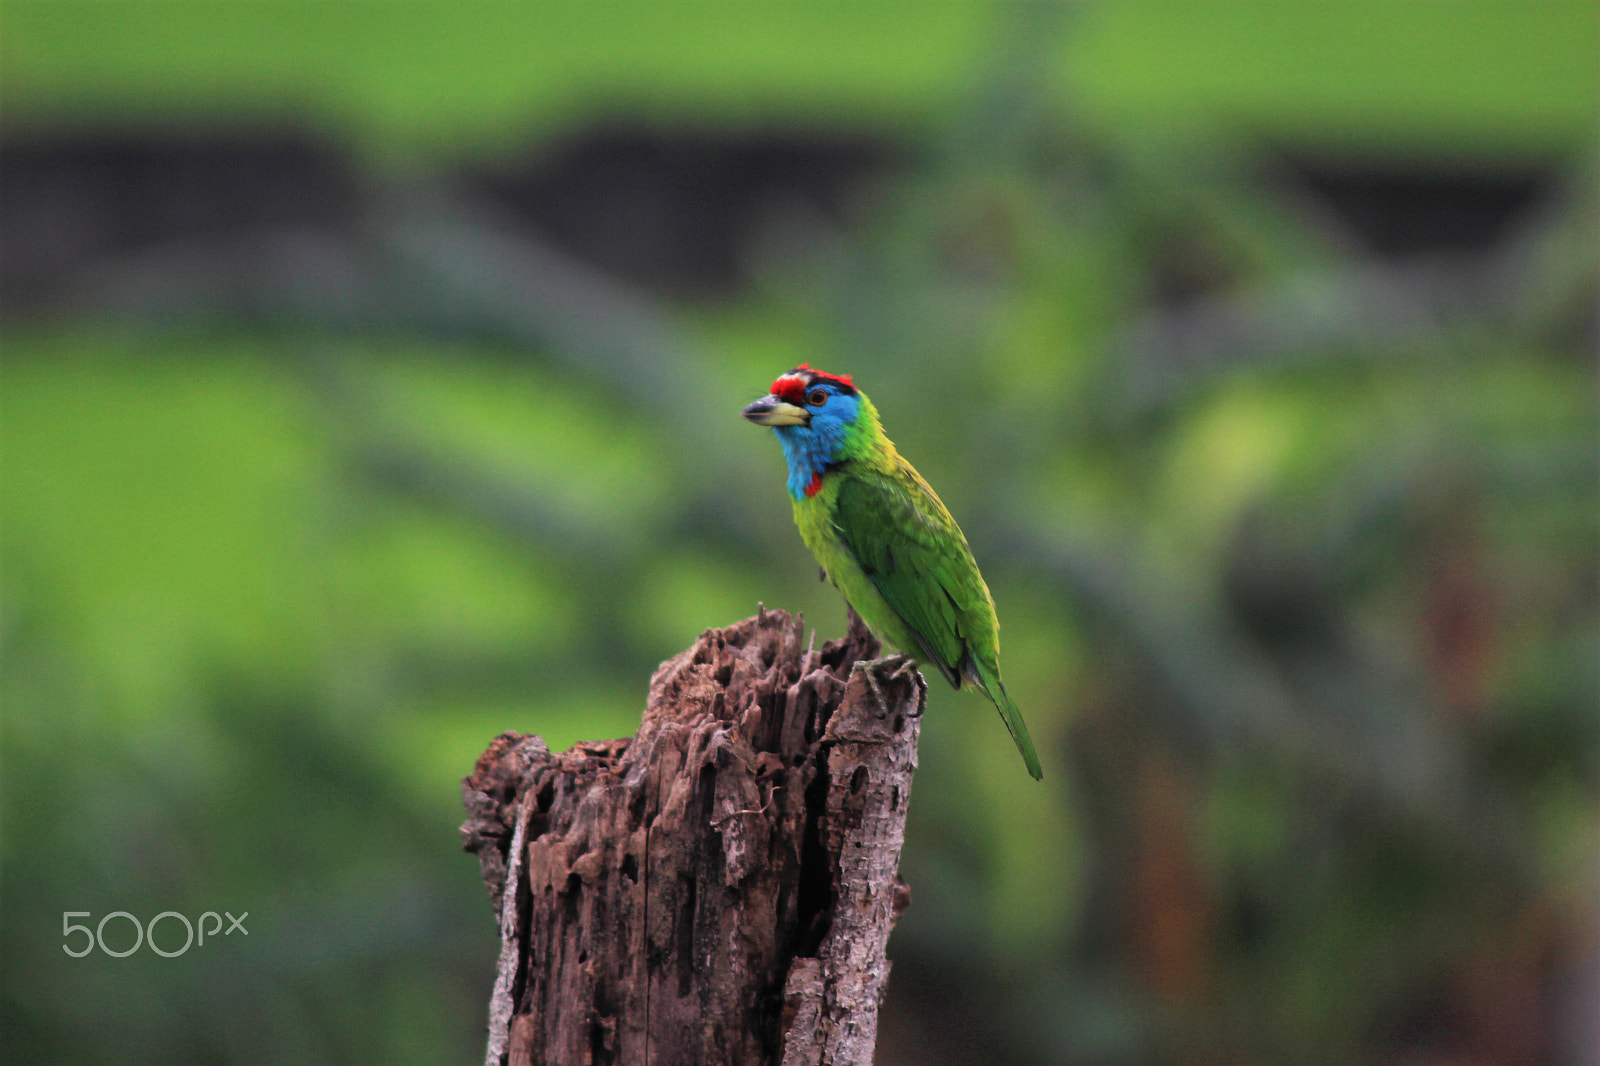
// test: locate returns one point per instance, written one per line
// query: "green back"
(916, 556)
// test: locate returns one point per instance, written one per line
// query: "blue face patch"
(812, 449)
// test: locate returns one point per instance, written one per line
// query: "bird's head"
(807, 402)
(820, 419)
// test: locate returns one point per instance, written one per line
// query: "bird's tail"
(989, 681)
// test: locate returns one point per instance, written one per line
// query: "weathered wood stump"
(718, 888)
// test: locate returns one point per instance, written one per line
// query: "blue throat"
(810, 450)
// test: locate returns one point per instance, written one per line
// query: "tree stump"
(718, 888)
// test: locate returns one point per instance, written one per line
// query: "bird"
(884, 538)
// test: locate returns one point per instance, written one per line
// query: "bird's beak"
(771, 411)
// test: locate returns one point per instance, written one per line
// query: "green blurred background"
(371, 383)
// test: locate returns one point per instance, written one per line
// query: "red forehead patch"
(791, 387)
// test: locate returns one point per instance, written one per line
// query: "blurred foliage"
(1294, 544)
(1510, 75)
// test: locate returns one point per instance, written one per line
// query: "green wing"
(914, 554)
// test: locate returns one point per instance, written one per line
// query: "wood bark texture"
(718, 888)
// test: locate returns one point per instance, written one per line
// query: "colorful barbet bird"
(883, 536)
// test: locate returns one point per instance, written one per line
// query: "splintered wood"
(719, 888)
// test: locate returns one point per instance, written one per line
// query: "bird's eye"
(817, 398)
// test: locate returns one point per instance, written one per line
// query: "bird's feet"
(887, 671)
